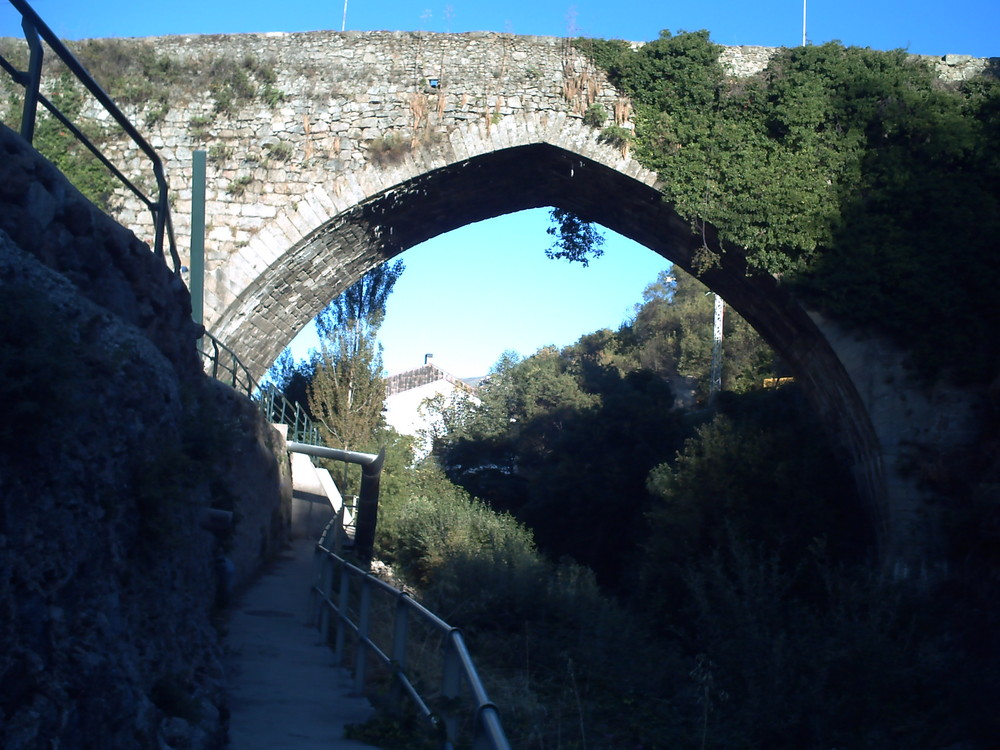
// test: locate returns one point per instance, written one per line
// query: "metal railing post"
(327, 573)
(343, 602)
(400, 627)
(197, 262)
(30, 111)
(315, 592)
(451, 684)
(364, 624)
(366, 515)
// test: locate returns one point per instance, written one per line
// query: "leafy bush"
(63, 149)
(238, 185)
(199, 125)
(617, 136)
(388, 149)
(851, 663)
(757, 571)
(218, 152)
(847, 172)
(595, 115)
(280, 151)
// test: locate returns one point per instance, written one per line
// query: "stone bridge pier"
(369, 144)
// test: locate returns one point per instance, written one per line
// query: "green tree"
(672, 331)
(565, 436)
(761, 472)
(561, 438)
(347, 391)
(362, 305)
(576, 239)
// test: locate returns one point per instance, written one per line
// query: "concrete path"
(285, 690)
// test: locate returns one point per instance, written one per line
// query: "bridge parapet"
(748, 60)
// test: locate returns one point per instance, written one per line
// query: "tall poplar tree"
(347, 392)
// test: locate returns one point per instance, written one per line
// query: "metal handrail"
(366, 515)
(226, 366)
(34, 27)
(223, 365)
(333, 578)
(279, 410)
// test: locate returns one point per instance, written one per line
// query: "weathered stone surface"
(112, 447)
(49, 218)
(102, 617)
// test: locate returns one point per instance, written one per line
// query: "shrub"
(64, 150)
(615, 135)
(272, 96)
(239, 185)
(279, 151)
(199, 125)
(388, 149)
(595, 115)
(219, 152)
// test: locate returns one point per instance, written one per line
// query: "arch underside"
(336, 254)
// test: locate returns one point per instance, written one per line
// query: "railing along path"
(341, 588)
(35, 30)
(222, 364)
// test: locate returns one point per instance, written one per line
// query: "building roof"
(428, 373)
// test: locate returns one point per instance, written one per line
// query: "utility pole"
(803, 22)
(343, 24)
(715, 384)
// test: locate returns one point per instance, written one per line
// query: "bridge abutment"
(917, 424)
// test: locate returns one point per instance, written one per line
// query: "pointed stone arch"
(359, 221)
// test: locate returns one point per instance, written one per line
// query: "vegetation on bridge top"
(856, 175)
(132, 72)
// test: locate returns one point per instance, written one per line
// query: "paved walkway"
(285, 689)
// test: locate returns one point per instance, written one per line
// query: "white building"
(407, 391)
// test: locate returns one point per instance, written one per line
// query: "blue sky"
(933, 28)
(469, 295)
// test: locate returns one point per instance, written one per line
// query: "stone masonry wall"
(280, 170)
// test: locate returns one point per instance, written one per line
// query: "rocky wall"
(113, 447)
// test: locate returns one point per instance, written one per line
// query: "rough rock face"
(46, 216)
(112, 447)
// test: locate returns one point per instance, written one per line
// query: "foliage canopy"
(852, 174)
(564, 436)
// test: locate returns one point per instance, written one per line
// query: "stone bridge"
(367, 144)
